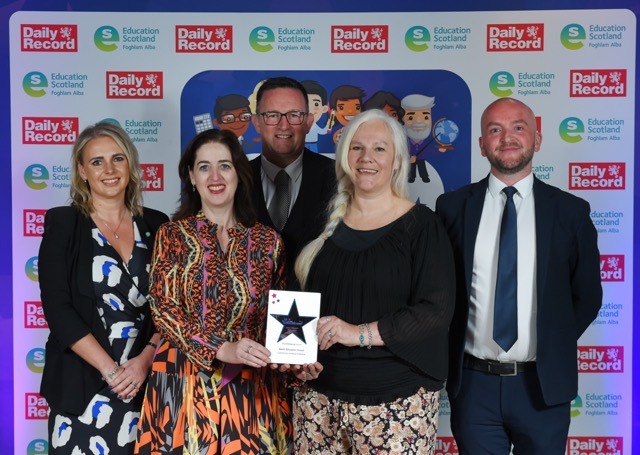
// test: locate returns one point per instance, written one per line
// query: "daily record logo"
(594, 445)
(49, 38)
(34, 316)
(134, 85)
(446, 445)
(612, 267)
(597, 176)
(417, 38)
(598, 83)
(601, 359)
(204, 38)
(515, 37)
(36, 176)
(363, 39)
(152, 177)
(106, 38)
(35, 407)
(33, 222)
(49, 130)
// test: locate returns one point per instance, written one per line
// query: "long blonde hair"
(340, 202)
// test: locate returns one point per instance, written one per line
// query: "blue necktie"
(505, 313)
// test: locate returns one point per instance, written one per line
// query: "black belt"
(495, 367)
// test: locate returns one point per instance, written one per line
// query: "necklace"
(114, 232)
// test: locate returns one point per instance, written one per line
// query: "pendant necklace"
(115, 233)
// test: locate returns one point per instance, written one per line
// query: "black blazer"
(569, 293)
(309, 213)
(68, 300)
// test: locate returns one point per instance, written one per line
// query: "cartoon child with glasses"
(232, 112)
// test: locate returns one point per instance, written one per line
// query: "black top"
(402, 276)
(69, 303)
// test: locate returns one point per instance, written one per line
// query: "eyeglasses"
(293, 117)
(230, 118)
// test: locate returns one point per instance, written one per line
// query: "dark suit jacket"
(309, 213)
(569, 293)
(69, 303)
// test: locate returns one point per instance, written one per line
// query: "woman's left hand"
(333, 330)
(127, 384)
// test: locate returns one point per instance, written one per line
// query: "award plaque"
(292, 321)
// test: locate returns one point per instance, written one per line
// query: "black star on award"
(291, 326)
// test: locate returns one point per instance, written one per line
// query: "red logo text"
(204, 38)
(49, 130)
(598, 83)
(597, 176)
(360, 38)
(515, 37)
(35, 407)
(34, 316)
(600, 359)
(134, 84)
(49, 38)
(152, 177)
(612, 267)
(33, 222)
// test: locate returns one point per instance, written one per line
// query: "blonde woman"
(385, 269)
(93, 270)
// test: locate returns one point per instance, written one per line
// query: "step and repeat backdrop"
(164, 77)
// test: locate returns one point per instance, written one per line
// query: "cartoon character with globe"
(417, 122)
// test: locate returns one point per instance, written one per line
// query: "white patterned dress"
(108, 425)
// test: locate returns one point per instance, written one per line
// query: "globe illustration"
(445, 131)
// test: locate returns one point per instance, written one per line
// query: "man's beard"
(417, 135)
(513, 167)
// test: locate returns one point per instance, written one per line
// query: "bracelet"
(361, 327)
(370, 335)
(152, 344)
(113, 372)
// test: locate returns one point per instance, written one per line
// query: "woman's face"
(105, 167)
(371, 157)
(214, 176)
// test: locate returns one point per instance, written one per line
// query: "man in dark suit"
(282, 119)
(513, 371)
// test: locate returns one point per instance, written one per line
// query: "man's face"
(417, 124)
(316, 107)
(235, 120)
(347, 109)
(509, 137)
(282, 143)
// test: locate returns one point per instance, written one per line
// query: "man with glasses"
(232, 112)
(292, 185)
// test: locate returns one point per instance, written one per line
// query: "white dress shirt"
(479, 337)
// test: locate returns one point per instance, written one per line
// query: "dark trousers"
(492, 413)
(421, 166)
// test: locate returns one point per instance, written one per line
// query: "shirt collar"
(271, 170)
(524, 186)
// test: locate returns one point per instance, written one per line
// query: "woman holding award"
(384, 267)
(210, 388)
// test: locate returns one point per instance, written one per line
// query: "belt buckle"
(515, 368)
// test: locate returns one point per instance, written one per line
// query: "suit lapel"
(472, 214)
(544, 209)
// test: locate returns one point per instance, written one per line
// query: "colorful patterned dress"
(108, 425)
(202, 297)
